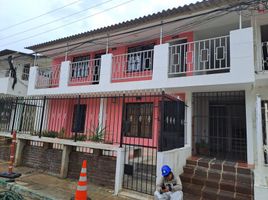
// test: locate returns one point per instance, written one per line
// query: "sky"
(25, 22)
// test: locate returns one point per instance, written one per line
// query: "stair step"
(210, 193)
(187, 196)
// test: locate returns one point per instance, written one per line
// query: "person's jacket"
(173, 185)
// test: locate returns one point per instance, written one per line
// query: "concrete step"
(214, 179)
(209, 193)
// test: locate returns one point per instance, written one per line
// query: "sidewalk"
(36, 184)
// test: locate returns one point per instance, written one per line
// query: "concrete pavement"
(35, 184)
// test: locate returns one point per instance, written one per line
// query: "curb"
(23, 190)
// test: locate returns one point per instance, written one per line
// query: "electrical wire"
(145, 28)
(36, 17)
(56, 28)
(53, 21)
(127, 33)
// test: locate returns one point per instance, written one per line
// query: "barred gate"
(156, 124)
(264, 107)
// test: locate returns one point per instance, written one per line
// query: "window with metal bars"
(79, 117)
(138, 120)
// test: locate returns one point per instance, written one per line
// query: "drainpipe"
(35, 59)
(161, 33)
(107, 44)
(240, 19)
(66, 52)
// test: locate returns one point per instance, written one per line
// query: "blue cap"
(165, 170)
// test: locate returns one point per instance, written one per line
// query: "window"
(79, 117)
(138, 120)
(25, 72)
(139, 59)
(80, 66)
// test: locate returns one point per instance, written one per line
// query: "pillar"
(19, 149)
(65, 161)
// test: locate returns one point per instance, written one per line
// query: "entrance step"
(215, 179)
(132, 195)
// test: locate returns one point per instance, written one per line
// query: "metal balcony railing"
(85, 72)
(133, 66)
(264, 56)
(48, 76)
(200, 57)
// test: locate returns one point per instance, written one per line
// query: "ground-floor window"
(79, 117)
(138, 120)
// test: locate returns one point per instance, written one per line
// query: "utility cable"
(53, 21)
(56, 28)
(147, 27)
(36, 17)
(76, 45)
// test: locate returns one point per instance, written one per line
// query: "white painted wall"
(6, 87)
(176, 159)
(119, 170)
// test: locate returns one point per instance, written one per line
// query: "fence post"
(42, 117)
(76, 120)
(123, 116)
(162, 120)
(14, 116)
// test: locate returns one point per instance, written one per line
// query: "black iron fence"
(150, 119)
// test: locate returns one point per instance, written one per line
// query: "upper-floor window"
(80, 68)
(138, 120)
(25, 72)
(140, 58)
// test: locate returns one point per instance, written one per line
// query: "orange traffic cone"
(81, 191)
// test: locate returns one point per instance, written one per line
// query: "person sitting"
(169, 187)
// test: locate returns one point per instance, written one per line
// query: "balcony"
(133, 66)
(200, 57)
(85, 72)
(202, 63)
(48, 77)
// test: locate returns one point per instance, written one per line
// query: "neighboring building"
(124, 85)
(22, 63)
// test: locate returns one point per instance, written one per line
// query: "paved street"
(35, 185)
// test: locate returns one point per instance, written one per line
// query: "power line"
(53, 21)
(56, 28)
(228, 8)
(34, 18)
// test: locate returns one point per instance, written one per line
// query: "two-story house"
(185, 86)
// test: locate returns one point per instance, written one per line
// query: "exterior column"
(32, 80)
(64, 74)
(250, 115)
(119, 174)
(260, 153)
(65, 161)
(106, 70)
(19, 149)
(188, 101)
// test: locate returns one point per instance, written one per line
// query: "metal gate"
(155, 123)
(173, 123)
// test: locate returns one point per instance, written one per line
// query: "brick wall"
(5, 148)
(41, 158)
(100, 169)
